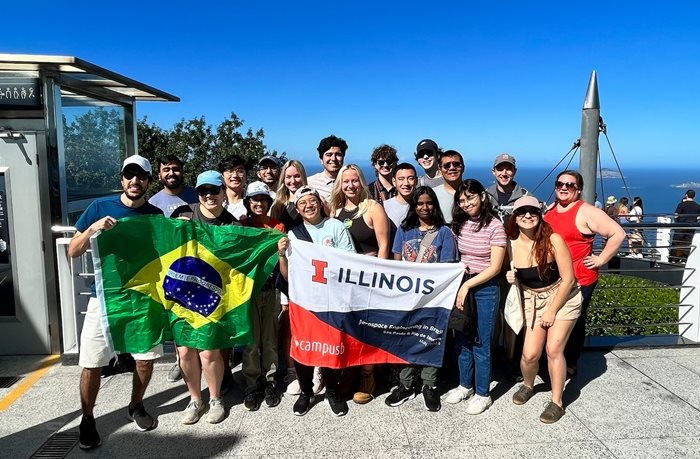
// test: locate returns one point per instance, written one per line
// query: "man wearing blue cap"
(210, 209)
(102, 215)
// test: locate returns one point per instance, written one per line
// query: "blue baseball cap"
(209, 178)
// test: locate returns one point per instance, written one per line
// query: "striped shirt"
(475, 247)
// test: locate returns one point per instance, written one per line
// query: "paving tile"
(656, 448)
(675, 374)
(570, 450)
(394, 453)
(657, 352)
(624, 403)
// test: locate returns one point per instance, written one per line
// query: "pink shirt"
(475, 247)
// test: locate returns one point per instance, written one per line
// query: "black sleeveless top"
(529, 277)
(362, 235)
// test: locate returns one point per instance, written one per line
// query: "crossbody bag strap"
(425, 243)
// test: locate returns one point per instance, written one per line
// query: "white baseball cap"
(139, 161)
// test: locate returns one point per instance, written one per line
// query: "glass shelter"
(65, 127)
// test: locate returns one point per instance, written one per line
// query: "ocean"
(660, 189)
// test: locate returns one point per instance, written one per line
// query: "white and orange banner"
(348, 309)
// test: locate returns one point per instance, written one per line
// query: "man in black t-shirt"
(687, 211)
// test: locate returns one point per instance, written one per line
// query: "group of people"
(432, 218)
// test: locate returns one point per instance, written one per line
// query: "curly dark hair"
(459, 216)
(386, 152)
(329, 142)
(412, 220)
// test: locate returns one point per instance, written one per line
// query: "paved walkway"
(624, 404)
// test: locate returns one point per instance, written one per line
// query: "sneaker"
(339, 407)
(552, 413)
(458, 394)
(89, 437)
(478, 404)
(216, 412)
(141, 418)
(303, 403)
(195, 409)
(523, 394)
(318, 381)
(272, 398)
(400, 395)
(366, 389)
(431, 399)
(251, 402)
(175, 374)
(292, 383)
(226, 382)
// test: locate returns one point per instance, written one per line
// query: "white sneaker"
(293, 387)
(195, 409)
(458, 394)
(318, 381)
(478, 404)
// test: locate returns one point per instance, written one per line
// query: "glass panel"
(94, 139)
(7, 293)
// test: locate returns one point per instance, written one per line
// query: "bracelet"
(282, 254)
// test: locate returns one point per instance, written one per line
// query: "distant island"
(609, 173)
(687, 185)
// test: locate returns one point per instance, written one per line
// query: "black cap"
(427, 145)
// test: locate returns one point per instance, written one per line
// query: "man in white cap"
(102, 215)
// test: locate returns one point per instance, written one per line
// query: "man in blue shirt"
(102, 215)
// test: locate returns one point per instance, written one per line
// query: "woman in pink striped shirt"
(481, 241)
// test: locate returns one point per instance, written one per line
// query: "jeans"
(474, 354)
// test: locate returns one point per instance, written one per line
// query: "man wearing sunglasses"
(269, 172)
(427, 156)
(102, 215)
(578, 222)
(505, 191)
(384, 159)
(452, 168)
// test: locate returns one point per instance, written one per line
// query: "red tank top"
(580, 245)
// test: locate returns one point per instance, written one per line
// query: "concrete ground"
(624, 404)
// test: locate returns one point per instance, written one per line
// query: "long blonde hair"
(338, 199)
(283, 194)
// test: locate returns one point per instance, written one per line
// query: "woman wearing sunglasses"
(210, 210)
(481, 241)
(551, 299)
(577, 222)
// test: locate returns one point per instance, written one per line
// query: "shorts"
(536, 302)
(94, 351)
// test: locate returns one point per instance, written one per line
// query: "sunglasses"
(208, 190)
(424, 156)
(566, 185)
(128, 175)
(384, 162)
(533, 211)
(450, 165)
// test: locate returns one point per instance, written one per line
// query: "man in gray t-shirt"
(405, 182)
(174, 193)
(452, 167)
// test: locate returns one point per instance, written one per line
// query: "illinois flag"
(159, 278)
(348, 309)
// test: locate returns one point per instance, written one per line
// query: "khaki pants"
(260, 358)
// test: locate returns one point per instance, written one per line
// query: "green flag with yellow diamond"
(162, 279)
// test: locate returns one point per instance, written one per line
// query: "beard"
(174, 185)
(135, 195)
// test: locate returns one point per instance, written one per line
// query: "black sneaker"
(303, 403)
(431, 399)
(251, 402)
(339, 407)
(89, 438)
(272, 397)
(141, 418)
(400, 395)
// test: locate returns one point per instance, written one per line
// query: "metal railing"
(649, 293)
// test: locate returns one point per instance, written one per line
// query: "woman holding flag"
(369, 227)
(422, 237)
(210, 210)
(321, 230)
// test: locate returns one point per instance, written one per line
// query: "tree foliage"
(200, 145)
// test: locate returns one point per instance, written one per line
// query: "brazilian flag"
(163, 278)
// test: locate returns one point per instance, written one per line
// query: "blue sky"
(479, 79)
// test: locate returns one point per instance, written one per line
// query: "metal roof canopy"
(80, 74)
